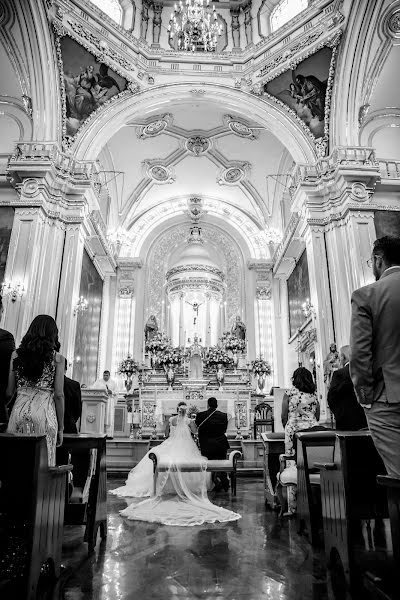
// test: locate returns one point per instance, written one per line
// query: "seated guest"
(73, 403)
(342, 400)
(37, 375)
(7, 347)
(300, 410)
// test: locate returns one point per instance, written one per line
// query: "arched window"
(112, 8)
(286, 10)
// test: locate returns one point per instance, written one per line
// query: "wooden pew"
(312, 447)
(214, 466)
(274, 445)
(32, 497)
(349, 495)
(87, 505)
(386, 585)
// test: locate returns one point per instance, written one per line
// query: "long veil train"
(181, 497)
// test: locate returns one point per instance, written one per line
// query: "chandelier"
(195, 25)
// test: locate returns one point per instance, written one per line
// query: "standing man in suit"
(342, 401)
(212, 425)
(375, 350)
(72, 403)
(7, 347)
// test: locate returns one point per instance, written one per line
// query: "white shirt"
(109, 385)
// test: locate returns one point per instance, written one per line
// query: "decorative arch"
(242, 226)
(158, 253)
(96, 133)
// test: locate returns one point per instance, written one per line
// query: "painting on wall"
(304, 89)
(298, 286)
(88, 83)
(6, 224)
(88, 324)
(387, 222)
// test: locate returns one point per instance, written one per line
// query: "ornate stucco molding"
(185, 268)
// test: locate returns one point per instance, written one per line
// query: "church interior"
(192, 191)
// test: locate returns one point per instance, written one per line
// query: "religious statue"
(239, 329)
(170, 376)
(151, 328)
(331, 363)
(195, 306)
(196, 360)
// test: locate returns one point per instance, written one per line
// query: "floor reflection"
(254, 558)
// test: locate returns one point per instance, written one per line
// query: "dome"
(195, 260)
(195, 254)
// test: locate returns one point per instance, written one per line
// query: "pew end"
(32, 499)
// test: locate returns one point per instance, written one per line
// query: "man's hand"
(60, 437)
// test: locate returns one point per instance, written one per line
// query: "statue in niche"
(144, 19)
(151, 328)
(239, 328)
(157, 22)
(331, 363)
(196, 360)
(235, 26)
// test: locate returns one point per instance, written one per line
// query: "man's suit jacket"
(73, 404)
(212, 438)
(342, 401)
(7, 347)
(375, 339)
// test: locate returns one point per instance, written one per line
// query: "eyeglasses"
(369, 262)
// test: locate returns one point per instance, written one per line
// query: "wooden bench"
(313, 447)
(350, 495)
(217, 466)
(32, 497)
(87, 504)
(274, 446)
(385, 585)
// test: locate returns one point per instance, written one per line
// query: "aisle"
(251, 559)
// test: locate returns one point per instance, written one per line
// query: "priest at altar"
(196, 360)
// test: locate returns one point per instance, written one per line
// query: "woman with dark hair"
(300, 410)
(37, 376)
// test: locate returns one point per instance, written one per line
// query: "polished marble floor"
(255, 558)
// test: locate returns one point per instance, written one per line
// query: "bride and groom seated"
(181, 497)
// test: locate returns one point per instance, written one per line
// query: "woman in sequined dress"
(37, 376)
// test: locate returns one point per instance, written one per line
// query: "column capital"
(345, 179)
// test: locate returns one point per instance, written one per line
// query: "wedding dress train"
(181, 497)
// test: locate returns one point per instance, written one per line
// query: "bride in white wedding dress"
(181, 497)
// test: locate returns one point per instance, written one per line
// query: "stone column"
(69, 287)
(182, 340)
(320, 297)
(208, 321)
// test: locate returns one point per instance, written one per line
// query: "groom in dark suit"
(212, 425)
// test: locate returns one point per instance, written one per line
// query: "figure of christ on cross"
(195, 306)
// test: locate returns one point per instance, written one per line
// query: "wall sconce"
(308, 309)
(81, 306)
(14, 290)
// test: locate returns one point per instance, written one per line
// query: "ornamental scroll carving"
(158, 267)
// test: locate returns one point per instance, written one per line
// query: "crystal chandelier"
(195, 25)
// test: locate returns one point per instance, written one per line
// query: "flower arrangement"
(233, 343)
(158, 343)
(192, 411)
(128, 367)
(259, 365)
(217, 356)
(170, 355)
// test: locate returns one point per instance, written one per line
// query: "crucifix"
(195, 307)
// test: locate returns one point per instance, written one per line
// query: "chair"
(263, 419)
(32, 497)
